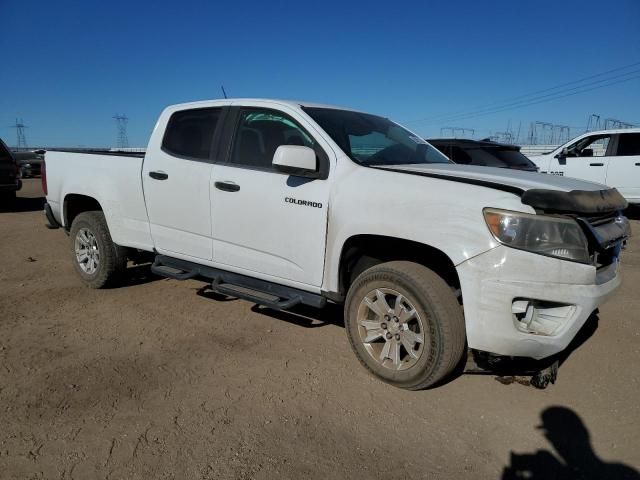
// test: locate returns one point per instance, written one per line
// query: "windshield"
(374, 141)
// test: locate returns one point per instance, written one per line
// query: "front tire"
(405, 324)
(98, 261)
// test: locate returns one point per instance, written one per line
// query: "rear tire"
(99, 262)
(408, 350)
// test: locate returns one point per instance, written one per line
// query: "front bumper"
(493, 281)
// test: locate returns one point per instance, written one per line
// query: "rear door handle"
(637, 164)
(227, 186)
(597, 164)
(158, 175)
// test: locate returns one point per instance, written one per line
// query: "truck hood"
(539, 190)
(517, 179)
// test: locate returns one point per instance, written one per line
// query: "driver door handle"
(227, 186)
(158, 175)
(597, 164)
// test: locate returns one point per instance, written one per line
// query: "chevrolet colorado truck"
(285, 203)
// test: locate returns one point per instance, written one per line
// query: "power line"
(545, 98)
(444, 116)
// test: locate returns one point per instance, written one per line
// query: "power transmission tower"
(593, 123)
(615, 123)
(21, 139)
(122, 140)
(455, 131)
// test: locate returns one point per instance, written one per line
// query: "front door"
(265, 221)
(176, 179)
(586, 159)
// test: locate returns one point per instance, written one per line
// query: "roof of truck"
(613, 130)
(231, 101)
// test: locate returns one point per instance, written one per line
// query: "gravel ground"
(159, 379)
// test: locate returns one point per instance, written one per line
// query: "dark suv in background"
(10, 181)
(29, 163)
(484, 153)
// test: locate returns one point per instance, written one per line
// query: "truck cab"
(610, 157)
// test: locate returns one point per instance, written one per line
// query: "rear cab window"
(190, 133)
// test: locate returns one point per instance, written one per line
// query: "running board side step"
(171, 272)
(262, 298)
(262, 292)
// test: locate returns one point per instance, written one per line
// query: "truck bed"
(113, 179)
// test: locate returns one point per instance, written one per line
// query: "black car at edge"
(10, 181)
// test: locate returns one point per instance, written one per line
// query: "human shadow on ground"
(572, 456)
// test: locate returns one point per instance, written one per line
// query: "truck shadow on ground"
(137, 274)
(633, 212)
(506, 370)
(23, 204)
(572, 456)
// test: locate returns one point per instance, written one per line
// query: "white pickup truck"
(610, 157)
(285, 203)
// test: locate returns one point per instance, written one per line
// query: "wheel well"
(76, 204)
(361, 252)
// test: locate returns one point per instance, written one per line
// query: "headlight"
(551, 236)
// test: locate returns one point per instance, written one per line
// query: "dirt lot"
(159, 380)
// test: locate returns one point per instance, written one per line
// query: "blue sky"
(68, 67)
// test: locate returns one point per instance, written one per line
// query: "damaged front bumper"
(521, 304)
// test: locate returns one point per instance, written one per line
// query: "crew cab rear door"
(267, 223)
(624, 166)
(176, 177)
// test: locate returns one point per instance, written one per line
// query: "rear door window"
(628, 144)
(189, 133)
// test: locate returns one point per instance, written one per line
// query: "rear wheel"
(405, 324)
(98, 260)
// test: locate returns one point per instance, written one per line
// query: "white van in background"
(611, 157)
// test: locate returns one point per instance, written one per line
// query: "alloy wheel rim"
(391, 329)
(87, 251)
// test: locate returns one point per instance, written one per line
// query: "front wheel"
(405, 324)
(98, 260)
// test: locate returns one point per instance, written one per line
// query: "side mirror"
(587, 152)
(562, 156)
(296, 160)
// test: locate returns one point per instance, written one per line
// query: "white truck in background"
(286, 203)
(610, 157)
